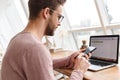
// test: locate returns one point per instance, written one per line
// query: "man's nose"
(59, 24)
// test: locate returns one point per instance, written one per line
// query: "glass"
(82, 13)
(112, 7)
(116, 31)
(60, 17)
(84, 35)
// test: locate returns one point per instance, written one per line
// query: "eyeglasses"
(60, 17)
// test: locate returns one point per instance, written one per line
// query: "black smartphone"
(89, 49)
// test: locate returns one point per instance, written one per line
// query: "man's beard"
(49, 31)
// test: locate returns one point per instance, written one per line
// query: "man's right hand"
(81, 63)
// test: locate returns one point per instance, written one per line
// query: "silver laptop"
(107, 52)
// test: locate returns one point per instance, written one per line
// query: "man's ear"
(46, 13)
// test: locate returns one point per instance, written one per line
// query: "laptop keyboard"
(100, 63)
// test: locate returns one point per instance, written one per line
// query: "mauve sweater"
(27, 58)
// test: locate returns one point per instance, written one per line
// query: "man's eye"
(59, 17)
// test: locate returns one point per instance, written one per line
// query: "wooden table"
(112, 73)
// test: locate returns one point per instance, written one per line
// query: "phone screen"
(90, 49)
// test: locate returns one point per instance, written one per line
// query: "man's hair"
(35, 6)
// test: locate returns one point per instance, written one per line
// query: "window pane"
(81, 13)
(84, 35)
(116, 31)
(113, 11)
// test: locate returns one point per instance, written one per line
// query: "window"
(12, 21)
(82, 19)
(82, 13)
(92, 17)
(84, 35)
(112, 7)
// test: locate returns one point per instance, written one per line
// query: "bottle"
(83, 46)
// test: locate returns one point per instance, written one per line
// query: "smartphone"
(89, 49)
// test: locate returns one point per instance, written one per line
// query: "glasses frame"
(60, 17)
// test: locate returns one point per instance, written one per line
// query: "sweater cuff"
(76, 75)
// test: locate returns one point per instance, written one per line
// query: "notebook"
(107, 52)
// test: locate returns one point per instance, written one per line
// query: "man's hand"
(81, 63)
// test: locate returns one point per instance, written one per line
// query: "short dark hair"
(35, 6)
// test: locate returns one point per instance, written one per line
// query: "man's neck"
(36, 29)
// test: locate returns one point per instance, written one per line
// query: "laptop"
(107, 52)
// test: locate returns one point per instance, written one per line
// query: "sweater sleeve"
(76, 75)
(61, 63)
(65, 62)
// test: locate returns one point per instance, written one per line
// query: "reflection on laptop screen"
(106, 47)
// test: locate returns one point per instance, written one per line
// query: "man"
(27, 58)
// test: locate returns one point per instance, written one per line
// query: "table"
(112, 73)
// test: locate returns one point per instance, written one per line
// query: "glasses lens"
(60, 18)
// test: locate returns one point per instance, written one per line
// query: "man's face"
(54, 22)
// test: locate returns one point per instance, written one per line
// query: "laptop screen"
(107, 47)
